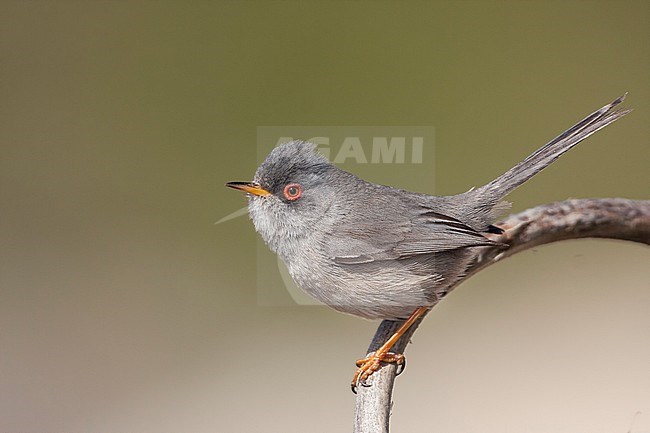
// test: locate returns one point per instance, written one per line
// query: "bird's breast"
(384, 291)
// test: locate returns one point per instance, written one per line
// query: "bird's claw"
(371, 363)
(401, 366)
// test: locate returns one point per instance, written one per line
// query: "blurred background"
(123, 307)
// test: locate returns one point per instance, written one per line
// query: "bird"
(380, 252)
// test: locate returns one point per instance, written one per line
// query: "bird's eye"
(293, 191)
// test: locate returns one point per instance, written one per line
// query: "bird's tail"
(547, 154)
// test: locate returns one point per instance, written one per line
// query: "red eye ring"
(293, 191)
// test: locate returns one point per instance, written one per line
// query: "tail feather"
(547, 154)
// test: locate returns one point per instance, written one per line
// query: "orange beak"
(249, 187)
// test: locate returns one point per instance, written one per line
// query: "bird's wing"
(424, 232)
(433, 232)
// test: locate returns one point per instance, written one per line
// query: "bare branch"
(572, 219)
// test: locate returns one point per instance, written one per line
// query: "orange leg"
(371, 363)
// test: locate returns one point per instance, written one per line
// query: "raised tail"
(494, 191)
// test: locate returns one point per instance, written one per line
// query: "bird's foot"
(372, 362)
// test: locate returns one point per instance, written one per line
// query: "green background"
(124, 308)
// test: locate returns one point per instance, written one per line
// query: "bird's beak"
(249, 187)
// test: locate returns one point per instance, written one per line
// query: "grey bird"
(379, 252)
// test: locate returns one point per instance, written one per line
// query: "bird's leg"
(372, 362)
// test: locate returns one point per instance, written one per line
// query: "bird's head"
(289, 195)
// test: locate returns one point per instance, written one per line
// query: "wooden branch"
(572, 219)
